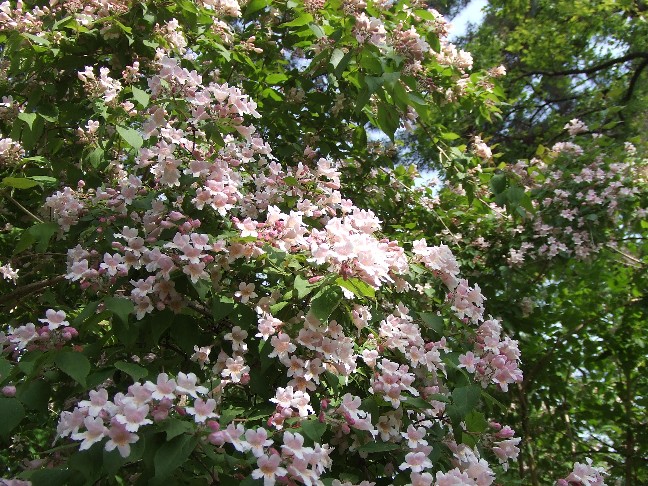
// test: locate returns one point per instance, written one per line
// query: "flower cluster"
(54, 333)
(120, 418)
(584, 474)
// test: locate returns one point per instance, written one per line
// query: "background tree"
(564, 61)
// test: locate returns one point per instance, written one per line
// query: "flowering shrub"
(217, 308)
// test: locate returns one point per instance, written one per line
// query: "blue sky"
(472, 14)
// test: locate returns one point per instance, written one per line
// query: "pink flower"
(234, 369)
(96, 431)
(416, 461)
(113, 264)
(237, 336)
(187, 385)
(415, 436)
(164, 388)
(269, 469)
(54, 319)
(98, 399)
(133, 417)
(245, 292)
(293, 445)
(202, 410)
(257, 440)
(120, 438)
(23, 335)
(468, 361)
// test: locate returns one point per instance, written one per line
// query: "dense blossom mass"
(224, 300)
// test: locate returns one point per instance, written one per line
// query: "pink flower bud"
(9, 391)
(245, 379)
(160, 413)
(213, 425)
(324, 404)
(217, 439)
(315, 279)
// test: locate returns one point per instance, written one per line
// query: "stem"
(24, 209)
(528, 439)
(629, 257)
(28, 289)
(629, 435)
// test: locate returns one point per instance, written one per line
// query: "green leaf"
(159, 324)
(45, 180)
(132, 137)
(303, 19)
(5, 369)
(230, 414)
(417, 402)
(175, 427)
(370, 62)
(336, 57)
(19, 182)
(314, 429)
(40, 233)
(476, 422)
(254, 6)
(28, 118)
(432, 321)
(35, 395)
(173, 454)
(120, 307)
(378, 447)
(95, 157)
(302, 287)
(136, 372)
(276, 78)
(388, 119)
(222, 306)
(360, 288)
(514, 194)
(465, 398)
(73, 364)
(449, 136)
(12, 412)
(141, 96)
(36, 39)
(498, 183)
(325, 302)
(50, 477)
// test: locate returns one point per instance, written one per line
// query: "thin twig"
(24, 209)
(629, 257)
